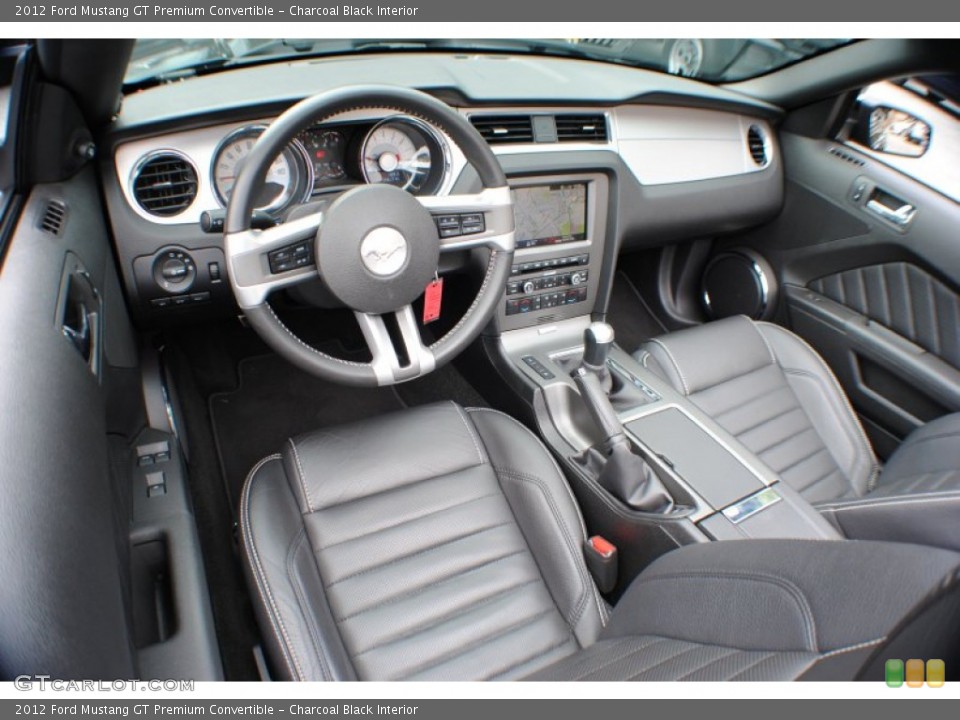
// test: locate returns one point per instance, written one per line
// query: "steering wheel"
(376, 246)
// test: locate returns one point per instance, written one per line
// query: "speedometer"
(406, 153)
(286, 177)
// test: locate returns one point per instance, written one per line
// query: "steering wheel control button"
(174, 270)
(383, 251)
(378, 247)
(291, 257)
(464, 224)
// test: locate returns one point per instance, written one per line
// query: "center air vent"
(502, 129)
(581, 128)
(165, 184)
(758, 145)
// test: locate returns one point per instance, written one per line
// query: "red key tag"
(432, 298)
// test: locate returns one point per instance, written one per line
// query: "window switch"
(156, 490)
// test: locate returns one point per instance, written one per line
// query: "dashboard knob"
(577, 278)
(174, 270)
(529, 287)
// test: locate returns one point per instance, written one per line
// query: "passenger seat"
(773, 392)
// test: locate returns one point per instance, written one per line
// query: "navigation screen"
(550, 214)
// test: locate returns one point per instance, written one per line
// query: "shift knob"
(597, 341)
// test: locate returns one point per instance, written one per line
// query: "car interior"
(479, 360)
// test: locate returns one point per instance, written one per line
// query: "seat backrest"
(774, 393)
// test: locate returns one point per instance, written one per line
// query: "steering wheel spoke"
(465, 221)
(254, 275)
(387, 364)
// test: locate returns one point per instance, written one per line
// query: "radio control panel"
(560, 231)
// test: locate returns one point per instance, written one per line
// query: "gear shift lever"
(625, 475)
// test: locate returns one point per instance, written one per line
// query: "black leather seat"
(443, 543)
(776, 395)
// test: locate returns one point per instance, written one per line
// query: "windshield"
(712, 60)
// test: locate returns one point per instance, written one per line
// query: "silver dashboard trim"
(199, 146)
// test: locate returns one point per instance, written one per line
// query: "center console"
(718, 489)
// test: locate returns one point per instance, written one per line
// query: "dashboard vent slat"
(846, 156)
(165, 185)
(503, 129)
(582, 128)
(758, 145)
(53, 218)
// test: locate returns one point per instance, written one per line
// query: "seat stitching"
(851, 648)
(392, 490)
(762, 396)
(787, 586)
(593, 671)
(301, 476)
(408, 521)
(566, 486)
(882, 502)
(792, 436)
(263, 588)
(838, 392)
(432, 585)
(432, 548)
(480, 641)
(470, 431)
(676, 365)
(826, 476)
(527, 661)
(298, 589)
(752, 665)
(661, 663)
(448, 617)
(565, 533)
(714, 661)
(547, 453)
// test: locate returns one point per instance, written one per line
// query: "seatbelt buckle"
(600, 556)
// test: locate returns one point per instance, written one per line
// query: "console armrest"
(922, 518)
(790, 595)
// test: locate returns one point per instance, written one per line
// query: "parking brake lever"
(624, 475)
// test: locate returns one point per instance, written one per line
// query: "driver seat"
(444, 544)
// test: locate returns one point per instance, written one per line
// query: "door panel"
(878, 299)
(63, 611)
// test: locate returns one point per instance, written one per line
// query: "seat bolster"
(933, 448)
(303, 644)
(688, 359)
(808, 596)
(823, 400)
(548, 517)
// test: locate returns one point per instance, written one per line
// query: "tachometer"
(286, 178)
(403, 152)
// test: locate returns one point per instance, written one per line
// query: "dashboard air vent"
(503, 129)
(165, 184)
(53, 217)
(758, 145)
(582, 128)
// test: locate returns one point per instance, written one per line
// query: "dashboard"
(608, 168)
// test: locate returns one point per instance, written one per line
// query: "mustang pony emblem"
(383, 251)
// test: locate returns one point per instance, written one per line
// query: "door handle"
(79, 336)
(900, 216)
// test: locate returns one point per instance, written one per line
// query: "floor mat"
(275, 401)
(629, 315)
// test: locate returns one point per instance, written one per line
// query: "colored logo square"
(893, 673)
(936, 673)
(914, 673)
